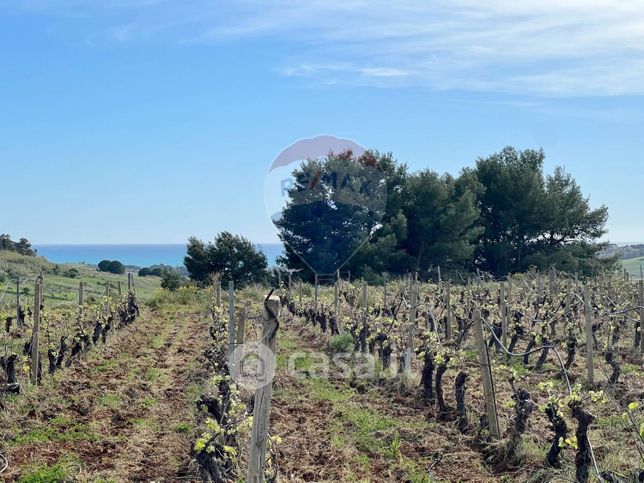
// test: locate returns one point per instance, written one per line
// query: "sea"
(134, 255)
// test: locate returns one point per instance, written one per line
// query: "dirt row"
(334, 430)
(125, 412)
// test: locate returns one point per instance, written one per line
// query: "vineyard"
(100, 388)
(531, 378)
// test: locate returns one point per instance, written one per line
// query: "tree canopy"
(22, 246)
(534, 220)
(111, 266)
(503, 215)
(335, 204)
(233, 257)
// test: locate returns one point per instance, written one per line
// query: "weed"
(45, 474)
(183, 428)
(341, 343)
(323, 389)
(112, 400)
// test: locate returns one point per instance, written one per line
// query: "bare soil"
(124, 412)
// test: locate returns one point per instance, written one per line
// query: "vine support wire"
(564, 373)
(18, 319)
(36, 329)
(5, 465)
(589, 335)
(640, 291)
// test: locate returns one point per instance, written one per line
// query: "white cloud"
(535, 47)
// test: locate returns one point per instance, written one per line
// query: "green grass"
(62, 470)
(341, 343)
(60, 290)
(45, 474)
(105, 366)
(182, 428)
(145, 423)
(152, 374)
(363, 424)
(614, 422)
(62, 432)
(632, 266)
(111, 401)
(158, 341)
(323, 389)
(148, 402)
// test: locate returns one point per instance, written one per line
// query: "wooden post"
(118, 286)
(241, 325)
(384, 298)
(336, 293)
(448, 311)
(641, 298)
(279, 280)
(290, 280)
(81, 293)
(263, 396)
(18, 319)
(106, 307)
(35, 335)
(300, 287)
(316, 291)
(412, 328)
(589, 333)
(504, 317)
(218, 291)
(440, 278)
(81, 301)
(364, 295)
(509, 303)
(129, 281)
(567, 311)
(486, 375)
(231, 316)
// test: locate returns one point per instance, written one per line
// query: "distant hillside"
(623, 252)
(632, 266)
(13, 264)
(22, 246)
(61, 281)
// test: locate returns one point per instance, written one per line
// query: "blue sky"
(147, 121)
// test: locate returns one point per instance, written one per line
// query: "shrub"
(155, 271)
(171, 281)
(111, 266)
(183, 296)
(342, 343)
(144, 272)
(232, 256)
(71, 273)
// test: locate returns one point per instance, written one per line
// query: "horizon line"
(135, 244)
